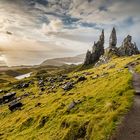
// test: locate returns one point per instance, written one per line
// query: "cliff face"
(97, 50)
(126, 49)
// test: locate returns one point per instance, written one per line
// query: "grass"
(104, 101)
(138, 68)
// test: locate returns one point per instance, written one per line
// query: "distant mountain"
(65, 60)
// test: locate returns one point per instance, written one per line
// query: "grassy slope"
(138, 68)
(8, 75)
(104, 101)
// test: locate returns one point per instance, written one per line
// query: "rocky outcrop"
(99, 56)
(112, 49)
(113, 39)
(88, 58)
(128, 48)
(98, 49)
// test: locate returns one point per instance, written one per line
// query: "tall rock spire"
(88, 58)
(102, 37)
(113, 39)
(97, 50)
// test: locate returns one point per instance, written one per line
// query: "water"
(23, 76)
(77, 63)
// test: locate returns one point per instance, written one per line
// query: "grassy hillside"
(8, 75)
(46, 115)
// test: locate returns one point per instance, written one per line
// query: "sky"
(32, 31)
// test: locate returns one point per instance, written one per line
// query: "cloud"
(44, 29)
(54, 26)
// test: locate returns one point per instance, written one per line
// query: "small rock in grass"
(15, 105)
(25, 85)
(138, 58)
(68, 86)
(26, 95)
(42, 89)
(95, 77)
(81, 78)
(1, 91)
(71, 106)
(9, 97)
(38, 104)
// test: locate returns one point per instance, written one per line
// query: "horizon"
(32, 31)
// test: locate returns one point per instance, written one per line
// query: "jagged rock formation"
(98, 55)
(113, 39)
(88, 58)
(112, 49)
(128, 48)
(98, 49)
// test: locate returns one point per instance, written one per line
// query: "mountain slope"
(90, 110)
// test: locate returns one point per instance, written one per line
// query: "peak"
(128, 38)
(102, 36)
(113, 38)
(113, 28)
(102, 31)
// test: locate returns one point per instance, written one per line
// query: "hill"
(87, 104)
(65, 60)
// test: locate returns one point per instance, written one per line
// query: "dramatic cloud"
(54, 26)
(41, 29)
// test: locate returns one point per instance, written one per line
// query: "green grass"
(104, 101)
(138, 68)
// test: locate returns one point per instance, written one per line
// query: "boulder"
(81, 78)
(25, 95)
(96, 76)
(25, 85)
(9, 97)
(41, 82)
(52, 80)
(1, 90)
(1, 101)
(15, 105)
(71, 106)
(42, 89)
(21, 85)
(38, 104)
(68, 86)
